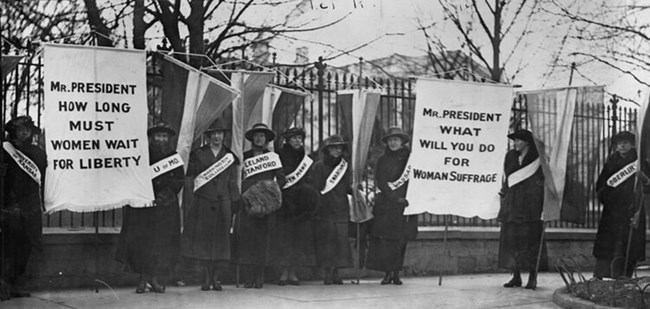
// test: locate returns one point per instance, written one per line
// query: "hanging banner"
(95, 121)
(459, 143)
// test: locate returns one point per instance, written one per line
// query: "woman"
(521, 210)
(333, 177)
(390, 229)
(206, 235)
(620, 190)
(150, 237)
(292, 241)
(262, 178)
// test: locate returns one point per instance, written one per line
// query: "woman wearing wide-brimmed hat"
(150, 237)
(292, 241)
(623, 219)
(390, 229)
(333, 177)
(20, 212)
(206, 232)
(262, 179)
(521, 210)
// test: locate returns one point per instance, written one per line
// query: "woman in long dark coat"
(521, 210)
(623, 212)
(333, 216)
(21, 208)
(391, 230)
(292, 241)
(206, 232)
(252, 233)
(150, 236)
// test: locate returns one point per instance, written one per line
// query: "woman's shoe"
(293, 282)
(335, 277)
(283, 282)
(205, 284)
(249, 285)
(217, 286)
(532, 284)
(396, 280)
(387, 279)
(141, 287)
(156, 287)
(514, 282)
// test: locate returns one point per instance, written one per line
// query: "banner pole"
(631, 229)
(96, 219)
(539, 251)
(444, 249)
(358, 263)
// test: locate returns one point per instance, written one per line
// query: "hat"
(287, 134)
(523, 135)
(163, 127)
(23, 121)
(623, 136)
(260, 127)
(396, 131)
(217, 125)
(334, 140)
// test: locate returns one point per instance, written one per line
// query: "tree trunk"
(139, 26)
(195, 28)
(102, 33)
(496, 42)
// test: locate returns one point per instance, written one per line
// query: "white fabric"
(262, 163)
(335, 177)
(459, 142)
(103, 104)
(623, 174)
(165, 165)
(523, 173)
(24, 162)
(299, 172)
(213, 171)
(394, 185)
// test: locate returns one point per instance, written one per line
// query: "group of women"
(291, 212)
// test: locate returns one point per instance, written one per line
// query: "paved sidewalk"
(463, 291)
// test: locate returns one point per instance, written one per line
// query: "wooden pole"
(539, 251)
(444, 249)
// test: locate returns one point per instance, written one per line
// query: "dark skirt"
(150, 238)
(252, 238)
(519, 246)
(386, 254)
(332, 244)
(206, 235)
(292, 242)
(16, 249)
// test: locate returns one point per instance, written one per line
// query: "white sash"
(262, 163)
(622, 175)
(335, 176)
(523, 173)
(299, 172)
(25, 163)
(213, 171)
(165, 165)
(401, 180)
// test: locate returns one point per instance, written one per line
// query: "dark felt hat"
(260, 127)
(396, 131)
(334, 140)
(216, 125)
(22, 121)
(523, 135)
(161, 126)
(293, 132)
(623, 136)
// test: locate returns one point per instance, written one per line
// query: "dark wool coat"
(206, 232)
(520, 216)
(292, 240)
(21, 211)
(150, 237)
(333, 216)
(252, 234)
(619, 206)
(390, 229)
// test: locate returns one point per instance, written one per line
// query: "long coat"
(292, 240)
(333, 216)
(252, 234)
(150, 236)
(619, 206)
(520, 215)
(21, 211)
(206, 234)
(390, 229)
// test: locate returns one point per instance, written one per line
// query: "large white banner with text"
(459, 142)
(95, 120)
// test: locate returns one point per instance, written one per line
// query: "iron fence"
(22, 94)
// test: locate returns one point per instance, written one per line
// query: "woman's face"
(216, 138)
(296, 141)
(23, 133)
(623, 146)
(259, 139)
(394, 143)
(521, 145)
(335, 151)
(160, 138)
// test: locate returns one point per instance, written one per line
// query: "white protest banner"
(459, 142)
(95, 121)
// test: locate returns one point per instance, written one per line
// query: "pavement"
(461, 291)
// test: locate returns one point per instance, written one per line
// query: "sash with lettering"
(25, 163)
(401, 180)
(523, 173)
(622, 175)
(214, 170)
(262, 163)
(165, 165)
(335, 176)
(299, 172)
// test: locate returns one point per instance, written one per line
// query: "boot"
(335, 277)
(216, 284)
(396, 280)
(515, 281)
(532, 280)
(387, 278)
(328, 276)
(142, 285)
(205, 283)
(155, 286)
